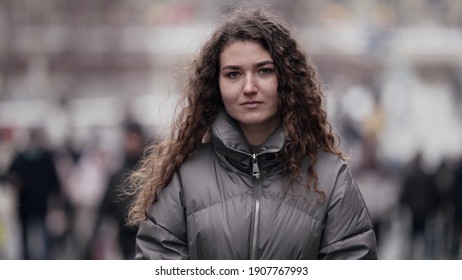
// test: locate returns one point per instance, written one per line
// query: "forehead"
(244, 50)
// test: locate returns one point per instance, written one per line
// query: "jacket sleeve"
(162, 235)
(348, 232)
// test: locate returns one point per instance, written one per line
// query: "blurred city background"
(85, 85)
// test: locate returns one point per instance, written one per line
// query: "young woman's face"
(248, 85)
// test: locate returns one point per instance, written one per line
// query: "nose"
(250, 86)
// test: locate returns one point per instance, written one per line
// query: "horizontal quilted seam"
(219, 202)
(277, 197)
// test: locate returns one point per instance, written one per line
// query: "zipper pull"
(255, 169)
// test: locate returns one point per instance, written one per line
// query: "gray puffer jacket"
(227, 202)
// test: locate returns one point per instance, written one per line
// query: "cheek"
(273, 94)
(228, 103)
(227, 93)
(222, 89)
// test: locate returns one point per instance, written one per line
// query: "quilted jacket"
(229, 201)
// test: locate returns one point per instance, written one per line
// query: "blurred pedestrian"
(114, 205)
(85, 188)
(421, 197)
(33, 174)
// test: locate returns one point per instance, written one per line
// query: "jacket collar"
(234, 151)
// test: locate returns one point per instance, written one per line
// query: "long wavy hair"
(300, 107)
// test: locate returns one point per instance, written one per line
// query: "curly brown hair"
(300, 107)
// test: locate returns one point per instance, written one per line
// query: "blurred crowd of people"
(402, 131)
(65, 203)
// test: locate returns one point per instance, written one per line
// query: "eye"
(266, 71)
(232, 75)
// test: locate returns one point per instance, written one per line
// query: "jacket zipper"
(256, 174)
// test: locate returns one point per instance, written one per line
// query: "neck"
(257, 134)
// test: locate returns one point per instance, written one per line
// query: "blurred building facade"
(392, 73)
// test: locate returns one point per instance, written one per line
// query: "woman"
(251, 170)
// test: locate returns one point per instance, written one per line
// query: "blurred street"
(86, 85)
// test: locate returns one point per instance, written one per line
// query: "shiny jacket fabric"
(228, 202)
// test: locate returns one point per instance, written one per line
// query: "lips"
(251, 104)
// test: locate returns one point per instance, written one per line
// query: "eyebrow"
(257, 65)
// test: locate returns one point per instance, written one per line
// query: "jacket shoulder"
(199, 157)
(327, 159)
(328, 167)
